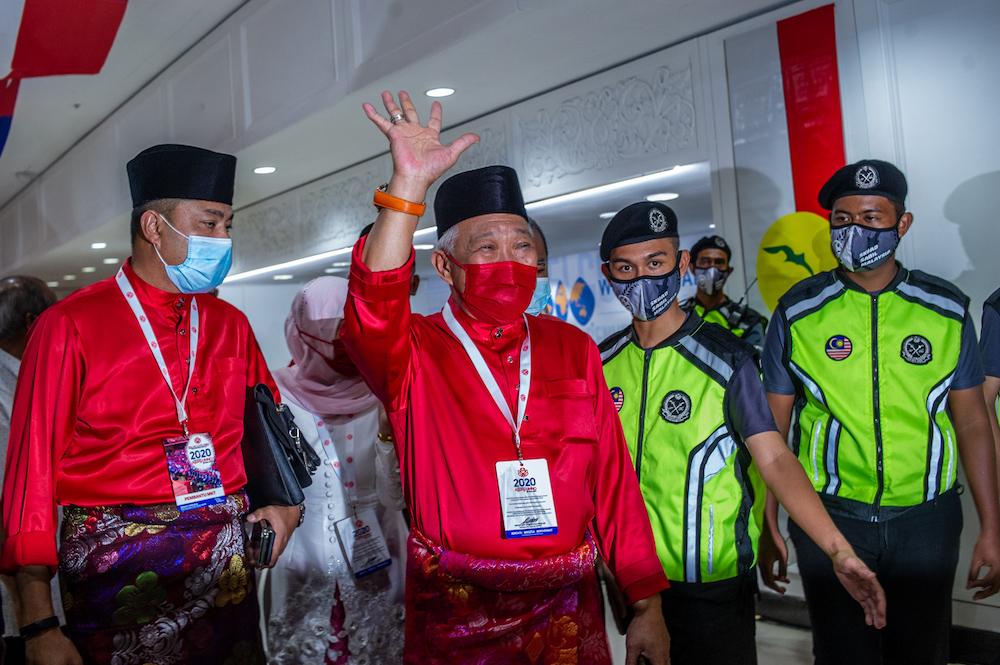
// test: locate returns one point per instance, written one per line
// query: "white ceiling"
(54, 112)
(547, 44)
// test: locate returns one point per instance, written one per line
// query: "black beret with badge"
(172, 171)
(711, 242)
(485, 191)
(639, 222)
(869, 177)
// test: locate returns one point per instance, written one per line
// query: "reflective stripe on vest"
(672, 410)
(872, 376)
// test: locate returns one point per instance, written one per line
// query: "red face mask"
(341, 363)
(497, 293)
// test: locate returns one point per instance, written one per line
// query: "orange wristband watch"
(385, 200)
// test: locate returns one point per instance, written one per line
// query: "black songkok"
(711, 242)
(869, 177)
(637, 223)
(493, 189)
(173, 171)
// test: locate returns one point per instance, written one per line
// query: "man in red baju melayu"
(512, 457)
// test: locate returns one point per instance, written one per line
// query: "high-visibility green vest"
(737, 319)
(702, 491)
(872, 374)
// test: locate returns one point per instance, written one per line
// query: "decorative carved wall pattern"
(632, 118)
(264, 232)
(336, 209)
(323, 215)
(491, 149)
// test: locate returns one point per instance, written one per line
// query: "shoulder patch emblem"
(916, 350)
(866, 177)
(657, 221)
(838, 347)
(618, 397)
(676, 407)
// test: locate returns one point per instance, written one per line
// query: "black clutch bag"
(278, 462)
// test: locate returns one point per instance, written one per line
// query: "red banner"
(59, 37)
(808, 47)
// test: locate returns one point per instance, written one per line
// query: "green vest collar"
(901, 275)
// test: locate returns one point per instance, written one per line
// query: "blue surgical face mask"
(648, 297)
(861, 248)
(207, 264)
(543, 294)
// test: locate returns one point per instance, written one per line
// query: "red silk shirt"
(92, 409)
(450, 433)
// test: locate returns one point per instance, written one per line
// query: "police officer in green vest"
(876, 370)
(702, 437)
(710, 257)
(989, 347)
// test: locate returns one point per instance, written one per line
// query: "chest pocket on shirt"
(231, 381)
(572, 407)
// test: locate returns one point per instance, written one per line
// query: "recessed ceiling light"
(665, 196)
(110, 262)
(711, 226)
(69, 278)
(429, 229)
(608, 215)
(330, 271)
(264, 170)
(282, 278)
(341, 264)
(88, 269)
(440, 92)
(98, 245)
(52, 285)
(423, 247)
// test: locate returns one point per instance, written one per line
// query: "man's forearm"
(33, 588)
(787, 480)
(390, 241)
(976, 448)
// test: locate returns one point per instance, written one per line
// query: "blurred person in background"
(323, 607)
(22, 299)
(710, 258)
(543, 291)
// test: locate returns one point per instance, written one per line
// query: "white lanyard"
(524, 375)
(349, 476)
(147, 330)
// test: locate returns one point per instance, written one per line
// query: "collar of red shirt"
(152, 296)
(485, 332)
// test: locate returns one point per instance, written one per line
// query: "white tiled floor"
(776, 645)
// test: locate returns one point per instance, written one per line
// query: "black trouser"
(711, 623)
(914, 556)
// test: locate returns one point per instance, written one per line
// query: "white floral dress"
(302, 587)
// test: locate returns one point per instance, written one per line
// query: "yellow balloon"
(795, 247)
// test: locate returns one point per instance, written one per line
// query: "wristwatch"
(302, 514)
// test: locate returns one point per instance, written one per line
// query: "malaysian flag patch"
(838, 347)
(618, 397)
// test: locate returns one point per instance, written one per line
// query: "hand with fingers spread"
(986, 554)
(418, 157)
(861, 583)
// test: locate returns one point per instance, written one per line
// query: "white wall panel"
(638, 118)
(288, 53)
(201, 100)
(388, 35)
(322, 216)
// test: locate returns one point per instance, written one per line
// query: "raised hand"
(861, 583)
(418, 157)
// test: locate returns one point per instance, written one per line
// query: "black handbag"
(278, 462)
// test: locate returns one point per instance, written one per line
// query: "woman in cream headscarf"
(319, 611)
